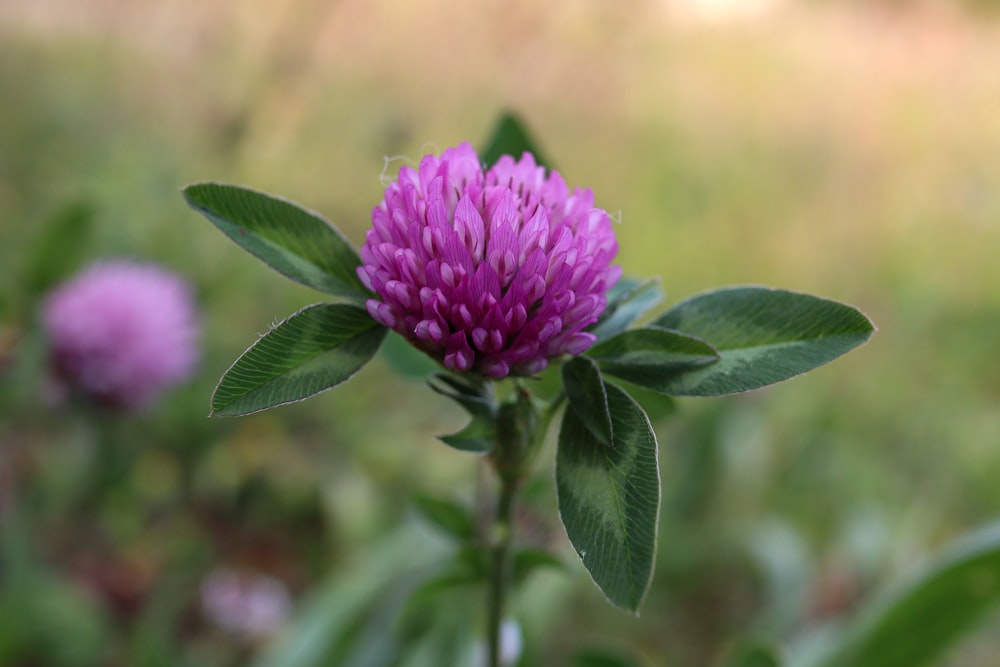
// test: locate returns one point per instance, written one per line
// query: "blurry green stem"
(111, 460)
(500, 562)
(520, 435)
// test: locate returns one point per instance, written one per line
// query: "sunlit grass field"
(847, 150)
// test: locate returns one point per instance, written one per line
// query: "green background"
(843, 149)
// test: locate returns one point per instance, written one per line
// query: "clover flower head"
(120, 333)
(495, 270)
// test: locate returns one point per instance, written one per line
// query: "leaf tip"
(191, 193)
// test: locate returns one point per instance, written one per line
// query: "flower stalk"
(501, 536)
(517, 422)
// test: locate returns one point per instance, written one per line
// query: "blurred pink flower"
(246, 604)
(494, 271)
(121, 333)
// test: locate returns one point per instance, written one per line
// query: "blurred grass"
(838, 148)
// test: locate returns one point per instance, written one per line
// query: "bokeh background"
(849, 149)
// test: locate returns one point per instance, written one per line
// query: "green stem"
(520, 434)
(110, 460)
(501, 534)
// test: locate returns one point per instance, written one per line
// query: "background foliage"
(843, 149)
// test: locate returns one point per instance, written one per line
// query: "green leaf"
(477, 437)
(52, 619)
(652, 357)
(473, 559)
(467, 568)
(763, 336)
(587, 397)
(510, 137)
(753, 655)
(478, 399)
(609, 498)
(329, 616)
(602, 658)
(627, 301)
(295, 242)
(447, 515)
(917, 622)
(152, 642)
(315, 349)
(430, 591)
(527, 561)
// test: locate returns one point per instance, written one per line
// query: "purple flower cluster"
(120, 333)
(494, 271)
